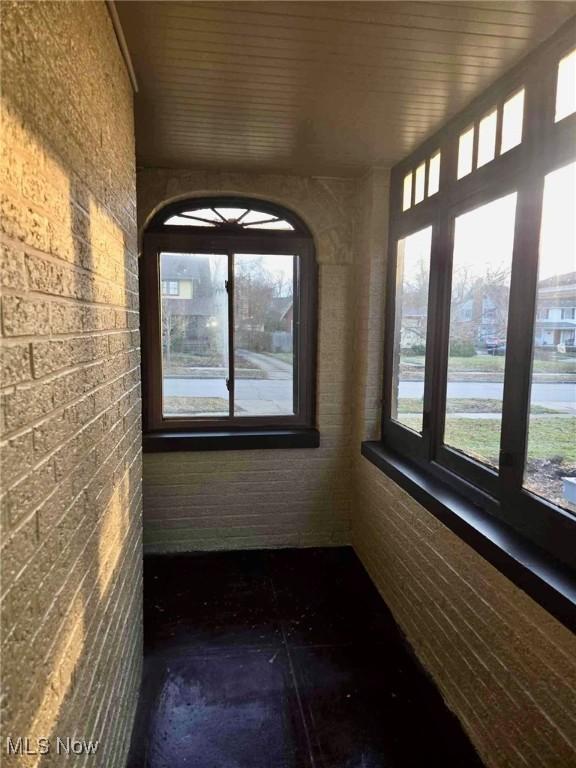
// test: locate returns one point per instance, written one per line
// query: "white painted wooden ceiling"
(323, 88)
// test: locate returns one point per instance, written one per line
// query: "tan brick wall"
(267, 498)
(503, 664)
(70, 586)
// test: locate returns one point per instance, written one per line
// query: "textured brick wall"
(269, 498)
(70, 402)
(505, 666)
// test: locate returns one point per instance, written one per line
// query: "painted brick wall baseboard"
(70, 398)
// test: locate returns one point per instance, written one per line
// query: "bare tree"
(169, 330)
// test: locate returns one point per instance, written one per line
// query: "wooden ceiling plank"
(331, 87)
(394, 15)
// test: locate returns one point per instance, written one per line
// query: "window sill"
(547, 581)
(246, 440)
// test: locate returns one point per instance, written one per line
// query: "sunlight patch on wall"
(60, 680)
(113, 531)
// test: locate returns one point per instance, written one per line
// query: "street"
(546, 395)
(258, 396)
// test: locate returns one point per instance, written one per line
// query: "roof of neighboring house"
(568, 278)
(279, 307)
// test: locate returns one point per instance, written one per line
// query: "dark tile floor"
(282, 659)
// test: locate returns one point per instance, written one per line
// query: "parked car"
(495, 345)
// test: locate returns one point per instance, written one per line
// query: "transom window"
(423, 182)
(478, 144)
(566, 87)
(229, 218)
(480, 359)
(228, 317)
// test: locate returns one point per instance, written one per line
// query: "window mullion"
(499, 125)
(522, 301)
(440, 307)
(297, 384)
(231, 372)
(521, 315)
(389, 329)
(434, 291)
(475, 144)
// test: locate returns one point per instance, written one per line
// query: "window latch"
(228, 384)
(227, 286)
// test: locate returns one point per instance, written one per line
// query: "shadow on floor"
(282, 659)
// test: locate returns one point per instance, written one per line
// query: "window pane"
(411, 319)
(183, 221)
(194, 326)
(483, 242)
(465, 150)
(407, 192)
(257, 216)
(273, 224)
(434, 174)
(551, 457)
(230, 214)
(487, 139)
(204, 213)
(263, 335)
(512, 119)
(420, 179)
(566, 88)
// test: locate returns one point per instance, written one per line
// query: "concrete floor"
(282, 659)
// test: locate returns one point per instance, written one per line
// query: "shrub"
(418, 349)
(462, 348)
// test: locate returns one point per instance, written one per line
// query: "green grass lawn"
(496, 363)
(286, 357)
(549, 438)
(190, 365)
(553, 437)
(190, 360)
(191, 406)
(465, 405)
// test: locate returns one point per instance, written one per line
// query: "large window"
(410, 328)
(480, 359)
(481, 270)
(228, 317)
(551, 453)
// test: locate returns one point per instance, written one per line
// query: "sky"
(558, 233)
(483, 237)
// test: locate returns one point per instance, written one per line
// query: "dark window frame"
(228, 239)
(545, 146)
